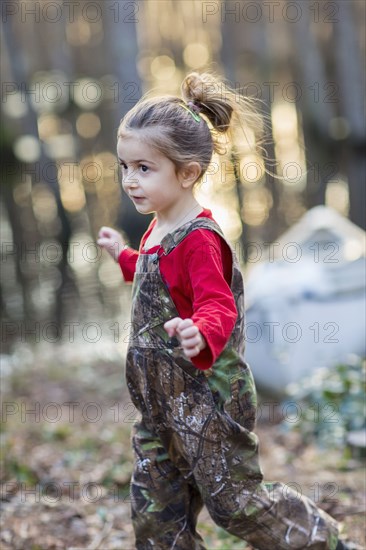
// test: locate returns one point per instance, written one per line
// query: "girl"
(185, 370)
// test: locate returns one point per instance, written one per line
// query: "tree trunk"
(349, 68)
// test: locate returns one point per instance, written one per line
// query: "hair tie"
(192, 109)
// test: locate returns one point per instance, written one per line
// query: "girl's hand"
(188, 334)
(112, 241)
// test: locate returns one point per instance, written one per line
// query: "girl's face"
(148, 177)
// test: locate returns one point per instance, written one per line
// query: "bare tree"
(350, 75)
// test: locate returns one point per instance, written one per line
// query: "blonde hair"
(220, 112)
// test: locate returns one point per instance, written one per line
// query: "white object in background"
(307, 314)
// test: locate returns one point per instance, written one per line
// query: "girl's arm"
(127, 262)
(206, 264)
(114, 244)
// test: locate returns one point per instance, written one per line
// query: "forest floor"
(67, 463)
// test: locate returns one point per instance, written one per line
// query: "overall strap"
(171, 240)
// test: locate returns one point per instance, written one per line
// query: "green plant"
(329, 404)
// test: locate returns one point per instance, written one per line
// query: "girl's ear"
(189, 174)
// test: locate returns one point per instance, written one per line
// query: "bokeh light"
(337, 195)
(71, 190)
(14, 105)
(27, 148)
(87, 93)
(60, 146)
(88, 125)
(163, 67)
(196, 55)
(44, 203)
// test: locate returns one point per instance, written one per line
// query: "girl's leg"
(267, 515)
(164, 506)
(223, 457)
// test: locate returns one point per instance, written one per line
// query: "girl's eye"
(123, 165)
(144, 168)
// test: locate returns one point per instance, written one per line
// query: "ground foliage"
(66, 468)
(330, 406)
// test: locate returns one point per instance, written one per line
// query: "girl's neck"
(181, 215)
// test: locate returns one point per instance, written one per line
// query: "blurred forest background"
(70, 71)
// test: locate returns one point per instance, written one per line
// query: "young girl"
(185, 368)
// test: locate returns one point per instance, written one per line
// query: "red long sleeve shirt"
(197, 274)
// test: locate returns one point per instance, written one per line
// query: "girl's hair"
(184, 136)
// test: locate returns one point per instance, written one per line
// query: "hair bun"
(193, 88)
(207, 92)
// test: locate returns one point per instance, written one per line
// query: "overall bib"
(194, 444)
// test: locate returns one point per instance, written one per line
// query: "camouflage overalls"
(194, 444)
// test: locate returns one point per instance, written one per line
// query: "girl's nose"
(130, 178)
